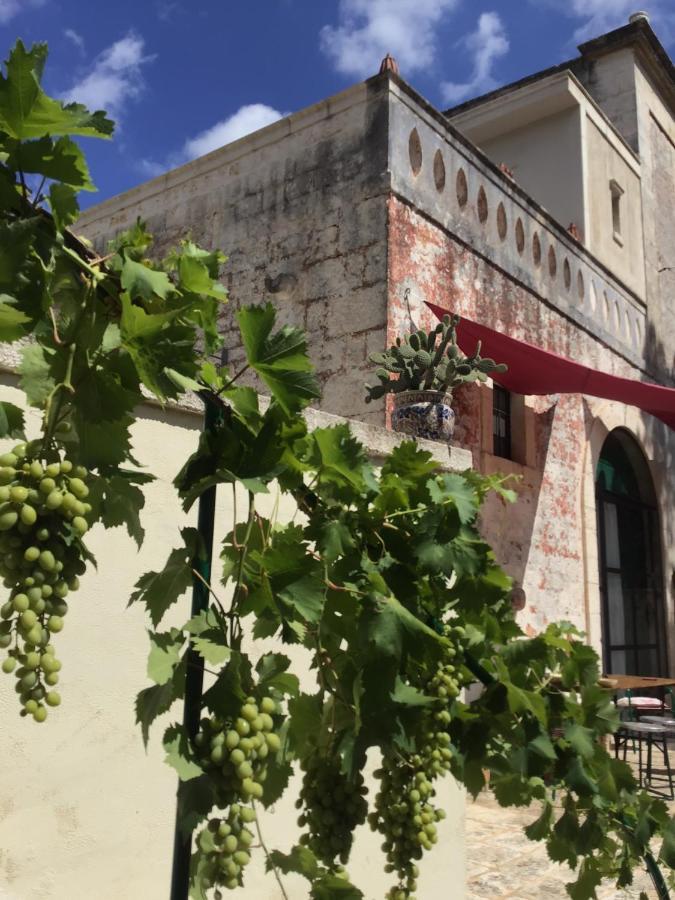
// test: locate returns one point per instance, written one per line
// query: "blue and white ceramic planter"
(424, 414)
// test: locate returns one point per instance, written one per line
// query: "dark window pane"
(501, 422)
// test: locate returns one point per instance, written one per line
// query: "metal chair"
(636, 706)
(653, 736)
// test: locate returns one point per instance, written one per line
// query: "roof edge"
(638, 32)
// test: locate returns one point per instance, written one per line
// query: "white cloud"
(245, 120)
(166, 9)
(115, 77)
(601, 16)
(369, 29)
(11, 8)
(486, 45)
(75, 37)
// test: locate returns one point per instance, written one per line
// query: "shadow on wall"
(514, 531)
(659, 365)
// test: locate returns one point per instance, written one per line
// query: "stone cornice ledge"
(378, 441)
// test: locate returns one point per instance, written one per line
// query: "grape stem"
(232, 615)
(210, 590)
(267, 855)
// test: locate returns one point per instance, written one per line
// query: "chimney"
(638, 16)
(389, 64)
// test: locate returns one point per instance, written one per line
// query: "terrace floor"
(502, 864)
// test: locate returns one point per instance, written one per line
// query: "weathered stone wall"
(540, 542)
(610, 80)
(472, 242)
(623, 88)
(300, 209)
(657, 152)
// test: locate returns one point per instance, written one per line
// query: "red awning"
(536, 371)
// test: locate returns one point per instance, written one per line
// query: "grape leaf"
(300, 860)
(160, 590)
(195, 277)
(336, 540)
(305, 714)
(179, 754)
(63, 204)
(231, 687)
(102, 443)
(61, 160)
(196, 799)
(452, 486)
(280, 359)
(589, 878)
(165, 650)
(408, 695)
(11, 421)
(100, 397)
(520, 700)
(37, 381)
(11, 319)
(27, 112)
(333, 887)
(543, 746)
(541, 827)
(271, 669)
(151, 702)
(667, 853)
(582, 740)
(142, 281)
(118, 501)
(394, 624)
(276, 781)
(305, 596)
(208, 637)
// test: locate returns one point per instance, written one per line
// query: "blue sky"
(182, 77)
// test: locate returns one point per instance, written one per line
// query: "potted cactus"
(422, 370)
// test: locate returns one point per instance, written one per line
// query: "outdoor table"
(636, 682)
(632, 683)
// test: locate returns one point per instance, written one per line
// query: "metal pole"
(182, 843)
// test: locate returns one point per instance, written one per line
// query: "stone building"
(545, 210)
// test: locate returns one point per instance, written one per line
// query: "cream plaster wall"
(546, 159)
(85, 812)
(603, 164)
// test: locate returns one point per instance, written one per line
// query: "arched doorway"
(633, 616)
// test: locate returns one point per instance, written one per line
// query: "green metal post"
(182, 842)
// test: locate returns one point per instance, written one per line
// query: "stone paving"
(502, 864)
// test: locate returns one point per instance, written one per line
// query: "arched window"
(633, 620)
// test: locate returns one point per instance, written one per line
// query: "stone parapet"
(448, 180)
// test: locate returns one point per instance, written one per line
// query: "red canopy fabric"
(536, 371)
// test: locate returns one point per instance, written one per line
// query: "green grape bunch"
(404, 810)
(236, 751)
(43, 517)
(332, 807)
(239, 748)
(227, 847)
